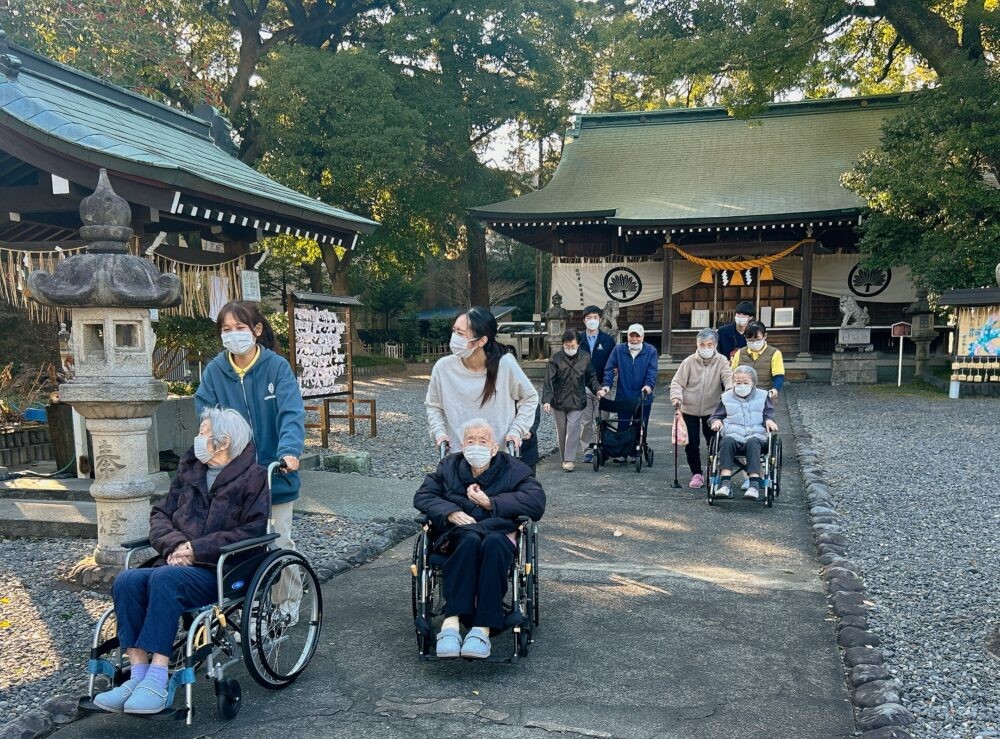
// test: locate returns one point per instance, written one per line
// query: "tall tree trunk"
(314, 272)
(479, 286)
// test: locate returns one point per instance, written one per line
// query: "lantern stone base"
(858, 368)
(92, 576)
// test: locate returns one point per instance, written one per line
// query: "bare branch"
(890, 57)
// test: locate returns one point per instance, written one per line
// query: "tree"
(932, 186)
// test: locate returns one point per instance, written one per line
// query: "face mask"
(742, 390)
(571, 352)
(460, 346)
(592, 324)
(634, 349)
(755, 346)
(238, 342)
(742, 321)
(706, 353)
(477, 456)
(201, 450)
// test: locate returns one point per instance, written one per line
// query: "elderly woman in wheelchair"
(745, 417)
(474, 502)
(219, 497)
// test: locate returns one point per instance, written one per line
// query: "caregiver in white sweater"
(479, 380)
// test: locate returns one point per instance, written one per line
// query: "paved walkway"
(662, 618)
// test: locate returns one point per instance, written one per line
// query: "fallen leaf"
(475, 692)
(5, 624)
(618, 532)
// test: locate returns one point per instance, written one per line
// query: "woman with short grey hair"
(219, 497)
(695, 390)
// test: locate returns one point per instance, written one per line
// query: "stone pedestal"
(853, 368)
(854, 338)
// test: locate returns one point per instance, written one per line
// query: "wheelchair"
(247, 624)
(770, 480)
(520, 602)
(624, 436)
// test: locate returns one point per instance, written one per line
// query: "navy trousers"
(475, 577)
(149, 603)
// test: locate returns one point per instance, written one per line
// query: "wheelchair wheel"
(649, 456)
(533, 580)
(638, 460)
(229, 698)
(597, 459)
(423, 611)
(282, 616)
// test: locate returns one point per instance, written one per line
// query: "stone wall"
(853, 368)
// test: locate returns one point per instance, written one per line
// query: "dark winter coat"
(566, 380)
(603, 347)
(235, 509)
(512, 489)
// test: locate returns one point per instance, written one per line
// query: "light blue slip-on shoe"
(746, 485)
(113, 700)
(148, 697)
(449, 644)
(476, 646)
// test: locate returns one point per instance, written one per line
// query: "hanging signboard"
(319, 331)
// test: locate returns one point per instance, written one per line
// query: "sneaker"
(697, 481)
(723, 491)
(568, 466)
(752, 493)
(746, 485)
(588, 456)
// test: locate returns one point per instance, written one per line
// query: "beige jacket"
(698, 384)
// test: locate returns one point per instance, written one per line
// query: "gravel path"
(403, 447)
(46, 626)
(914, 476)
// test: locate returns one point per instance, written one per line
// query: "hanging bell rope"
(737, 267)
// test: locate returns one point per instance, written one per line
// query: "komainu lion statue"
(609, 321)
(854, 314)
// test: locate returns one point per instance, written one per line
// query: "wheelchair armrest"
(523, 519)
(136, 543)
(422, 519)
(239, 546)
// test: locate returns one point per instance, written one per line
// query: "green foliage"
(196, 335)
(279, 322)
(440, 329)
(409, 335)
(932, 210)
(182, 388)
(375, 360)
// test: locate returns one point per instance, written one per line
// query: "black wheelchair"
(520, 602)
(624, 436)
(268, 614)
(770, 465)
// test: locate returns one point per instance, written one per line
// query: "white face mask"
(742, 390)
(634, 349)
(742, 321)
(706, 353)
(477, 456)
(201, 450)
(756, 346)
(571, 352)
(592, 324)
(460, 346)
(238, 342)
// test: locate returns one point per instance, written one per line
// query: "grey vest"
(744, 418)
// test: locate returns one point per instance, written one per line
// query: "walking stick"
(677, 483)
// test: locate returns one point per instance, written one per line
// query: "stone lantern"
(922, 317)
(109, 293)
(556, 319)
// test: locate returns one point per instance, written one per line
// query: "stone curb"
(878, 713)
(63, 709)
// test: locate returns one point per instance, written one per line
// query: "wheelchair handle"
(443, 450)
(277, 466)
(513, 450)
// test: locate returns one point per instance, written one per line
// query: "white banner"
(629, 281)
(636, 281)
(840, 274)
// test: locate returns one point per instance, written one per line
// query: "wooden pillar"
(805, 319)
(668, 302)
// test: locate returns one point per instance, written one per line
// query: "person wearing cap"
(598, 345)
(636, 364)
(732, 335)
